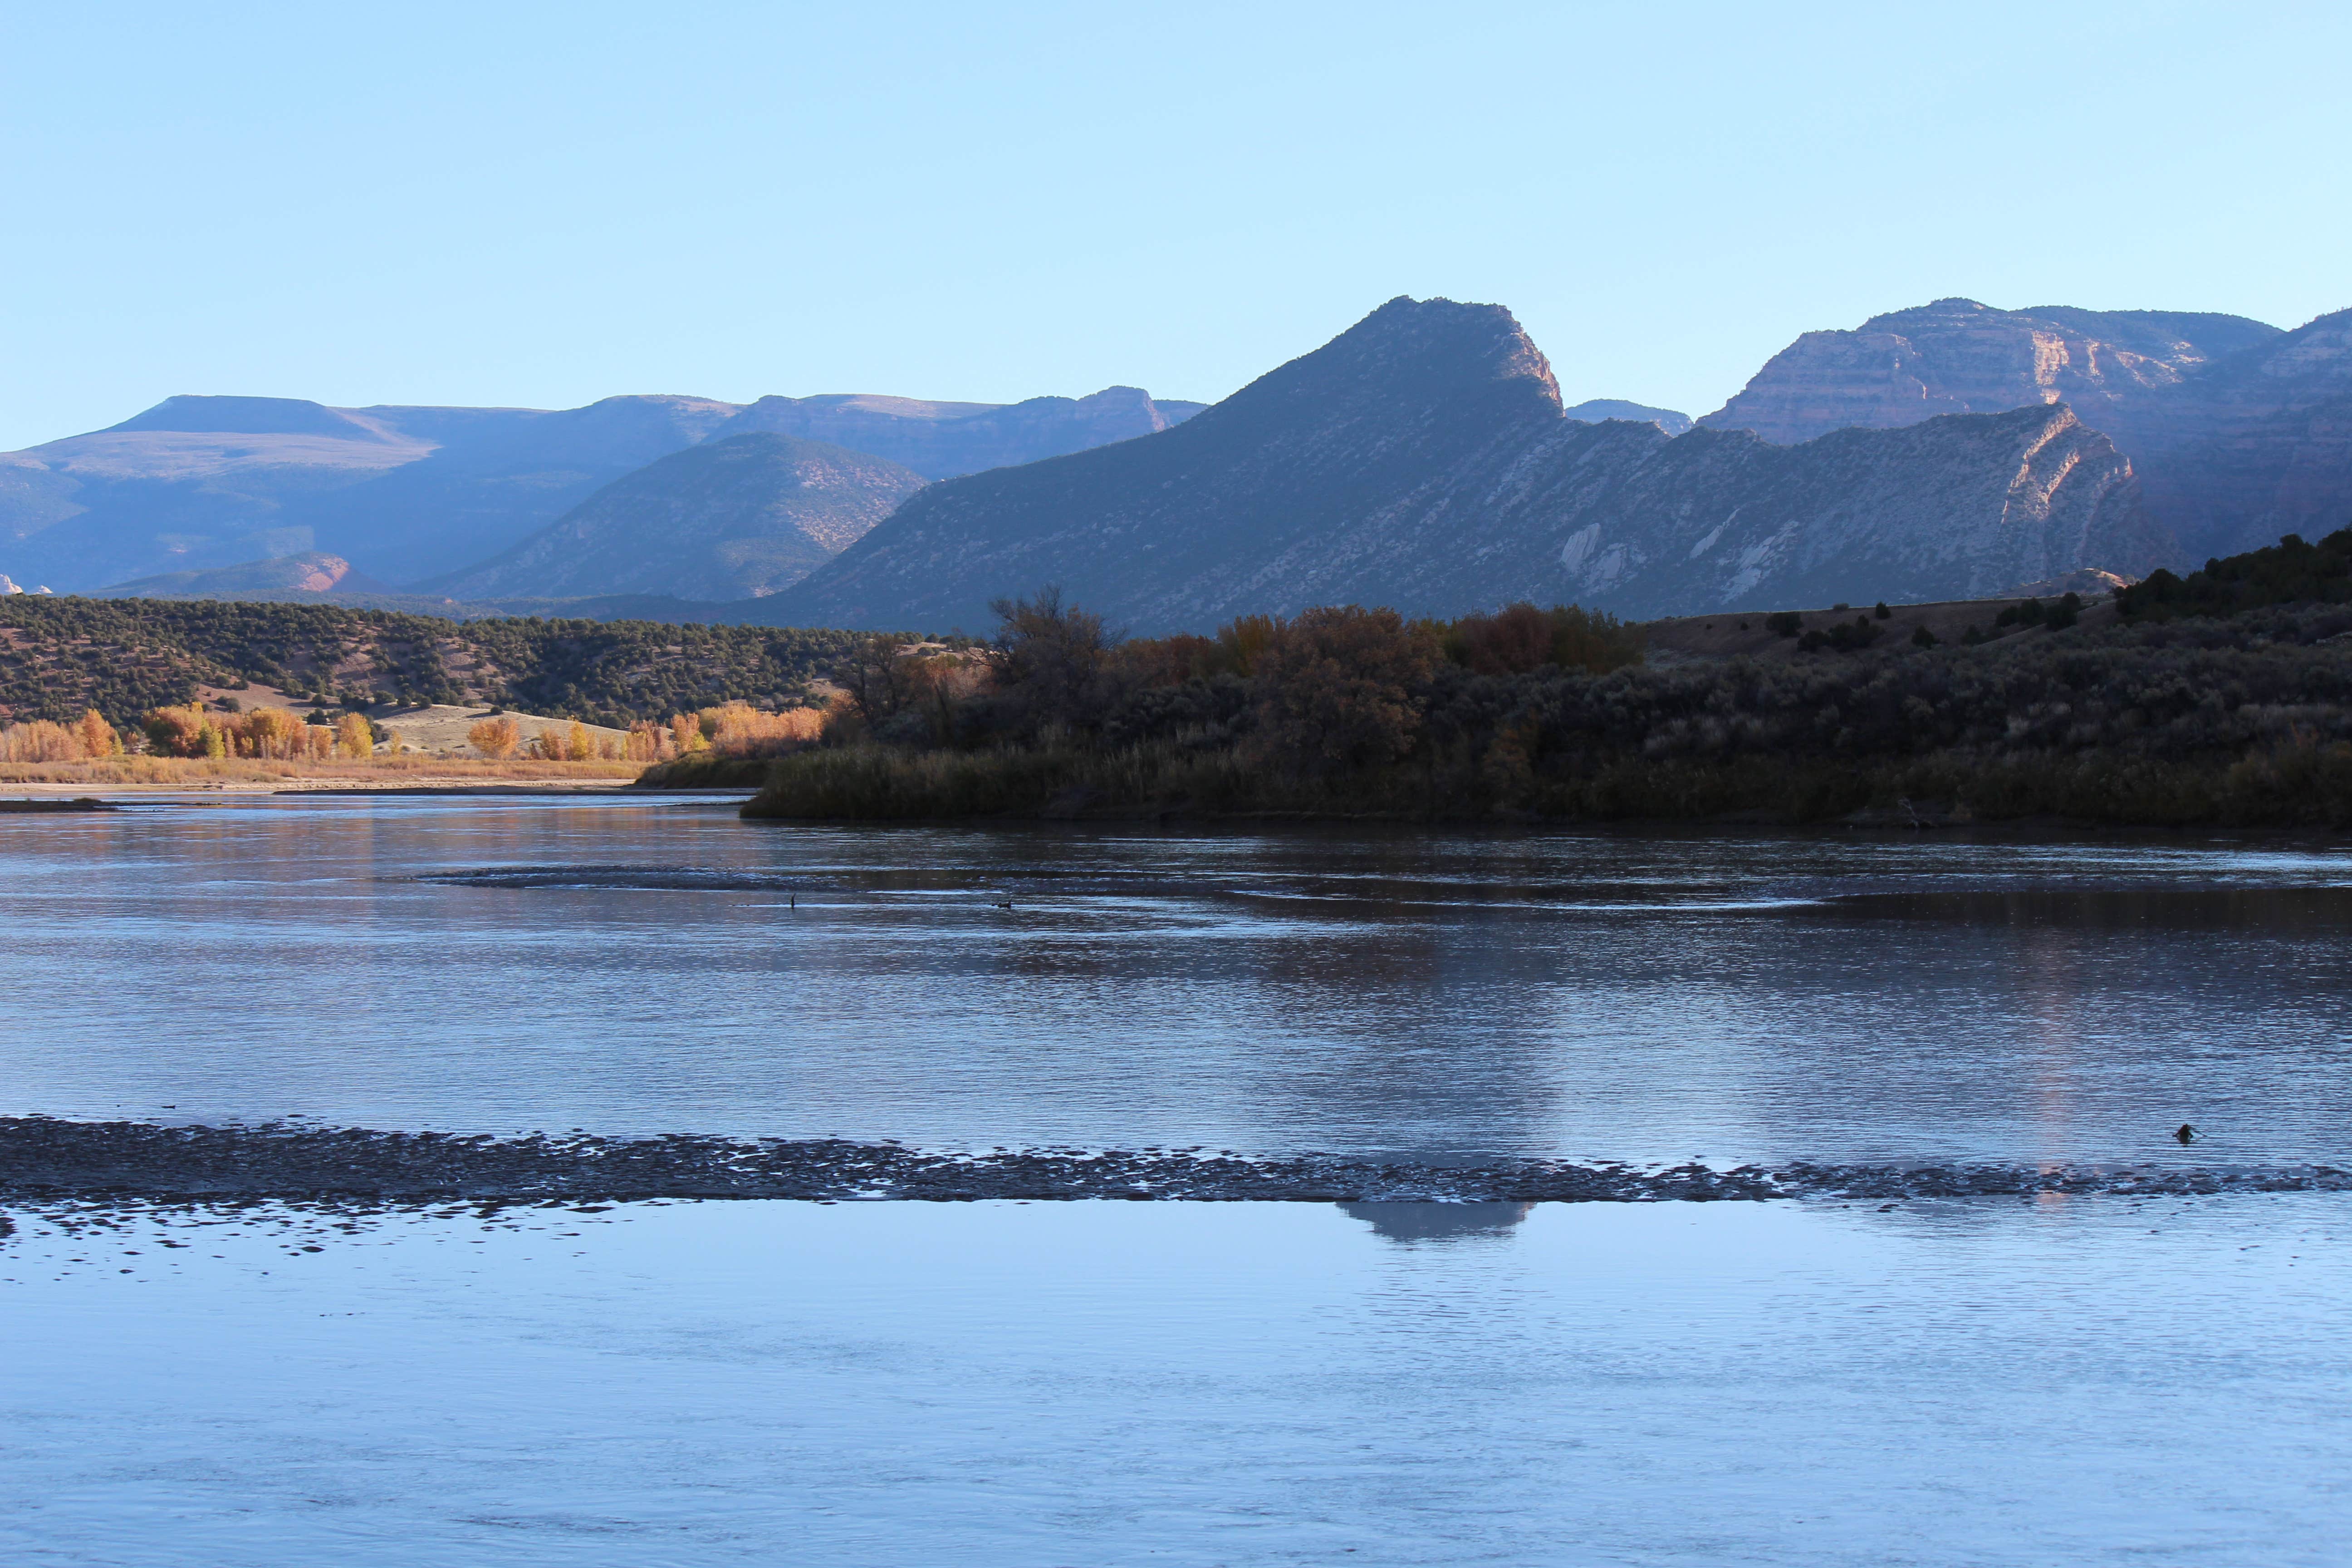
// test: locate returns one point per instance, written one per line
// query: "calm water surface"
(919, 1384)
(495, 963)
(2086, 1381)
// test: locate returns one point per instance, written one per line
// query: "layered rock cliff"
(2239, 432)
(1423, 460)
(1956, 356)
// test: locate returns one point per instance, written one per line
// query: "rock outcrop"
(732, 519)
(1423, 460)
(1956, 356)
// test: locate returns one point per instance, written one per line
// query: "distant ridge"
(405, 493)
(2238, 431)
(941, 440)
(248, 416)
(732, 519)
(1594, 410)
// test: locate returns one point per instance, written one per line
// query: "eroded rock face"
(1422, 460)
(1956, 356)
(1961, 506)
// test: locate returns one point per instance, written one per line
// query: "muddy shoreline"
(44, 1159)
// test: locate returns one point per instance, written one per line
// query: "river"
(2081, 1379)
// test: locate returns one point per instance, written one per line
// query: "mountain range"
(1424, 459)
(2239, 432)
(735, 518)
(412, 493)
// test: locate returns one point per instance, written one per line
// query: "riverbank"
(141, 774)
(1352, 715)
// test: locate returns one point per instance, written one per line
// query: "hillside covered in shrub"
(126, 657)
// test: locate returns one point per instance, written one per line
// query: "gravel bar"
(45, 1159)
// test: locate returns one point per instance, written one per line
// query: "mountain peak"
(1474, 360)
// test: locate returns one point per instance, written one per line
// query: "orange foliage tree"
(184, 732)
(355, 737)
(572, 742)
(496, 738)
(268, 733)
(39, 741)
(98, 737)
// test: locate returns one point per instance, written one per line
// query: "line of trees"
(268, 734)
(1333, 687)
(2183, 717)
(728, 729)
(43, 740)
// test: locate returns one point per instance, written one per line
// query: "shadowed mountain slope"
(2252, 447)
(1422, 459)
(733, 518)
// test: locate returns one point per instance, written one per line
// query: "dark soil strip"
(43, 1159)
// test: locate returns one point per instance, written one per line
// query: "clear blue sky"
(543, 204)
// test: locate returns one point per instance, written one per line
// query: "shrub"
(1512, 641)
(2290, 572)
(1784, 623)
(1336, 688)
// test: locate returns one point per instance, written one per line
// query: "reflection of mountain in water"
(1410, 1223)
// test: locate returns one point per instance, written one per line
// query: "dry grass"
(197, 772)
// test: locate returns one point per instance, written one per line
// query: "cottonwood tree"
(1338, 688)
